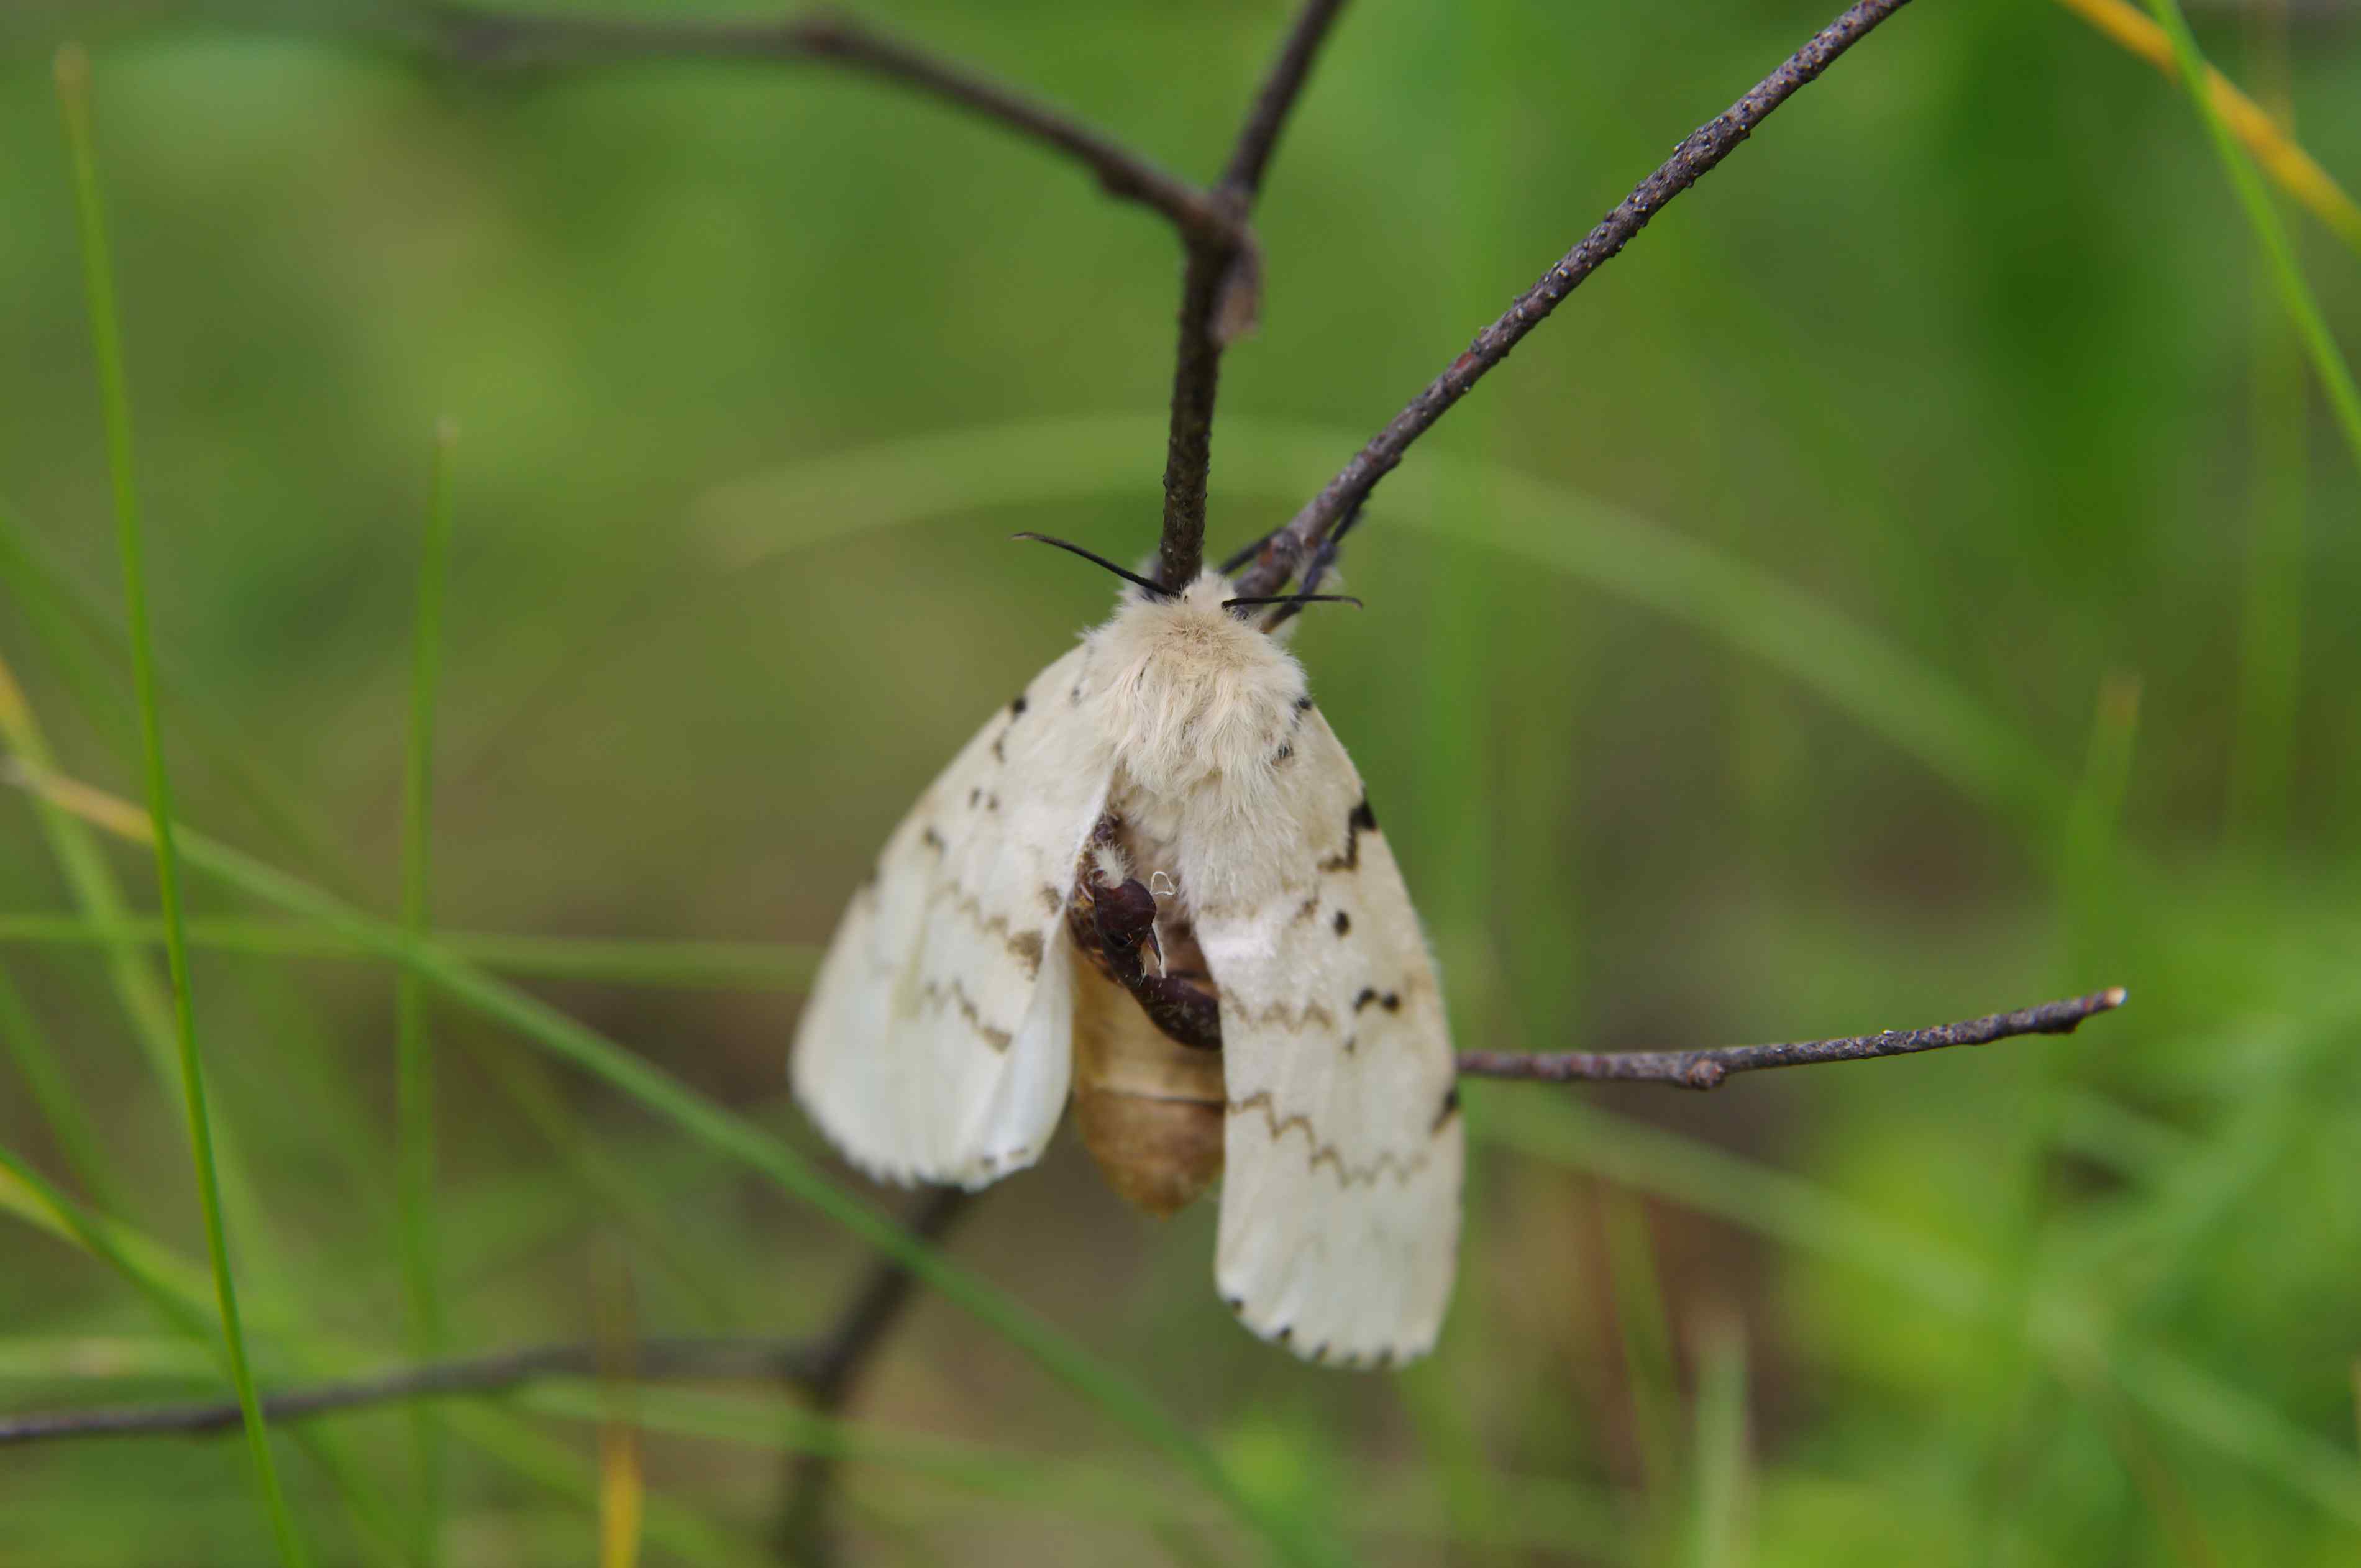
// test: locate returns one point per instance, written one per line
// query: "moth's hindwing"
(1340, 1199)
(937, 1043)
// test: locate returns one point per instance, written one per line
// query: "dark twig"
(1258, 137)
(499, 39)
(1707, 1069)
(833, 1371)
(1699, 153)
(826, 1366)
(657, 1360)
(1219, 287)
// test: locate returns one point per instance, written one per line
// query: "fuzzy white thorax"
(1196, 703)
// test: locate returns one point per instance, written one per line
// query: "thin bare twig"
(826, 1366)
(657, 1360)
(1699, 153)
(1220, 286)
(1707, 1069)
(504, 39)
(807, 1529)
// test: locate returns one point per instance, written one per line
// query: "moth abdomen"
(1148, 1095)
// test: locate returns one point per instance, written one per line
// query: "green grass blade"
(1797, 1213)
(73, 98)
(724, 1132)
(80, 632)
(2271, 609)
(176, 1297)
(182, 1294)
(1395, 1499)
(90, 882)
(615, 961)
(558, 1469)
(768, 966)
(1646, 1331)
(2274, 146)
(413, 1051)
(2090, 884)
(181, 1297)
(618, 1191)
(2270, 233)
(1716, 1531)
(93, 885)
(37, 1058)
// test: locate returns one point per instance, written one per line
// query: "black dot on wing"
(1369, 994)
(1286, 1332)
(1391, 1002)
(1304, 703)
(1016, 706)
(1344, 923)
(1363, 818)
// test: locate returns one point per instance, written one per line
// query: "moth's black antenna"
(1154, 588)
(1295, 598)
(1246, 553)
(1314, 570)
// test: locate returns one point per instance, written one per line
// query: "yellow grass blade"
(2290, 167)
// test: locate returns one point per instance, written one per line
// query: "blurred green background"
(1915, 580)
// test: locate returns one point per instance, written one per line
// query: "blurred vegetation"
(1915, 580)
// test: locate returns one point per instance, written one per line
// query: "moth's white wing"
(937, 1044)
(1340, 1198)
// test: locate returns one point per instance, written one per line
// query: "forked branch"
(1220, 289)
(489, 38)
(826, 1366)
(1221, 277)
(1703, 148)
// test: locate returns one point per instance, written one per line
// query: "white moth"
(970, 988)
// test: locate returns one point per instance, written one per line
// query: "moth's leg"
(1111, 922)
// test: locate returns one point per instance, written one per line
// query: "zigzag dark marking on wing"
(1023, 946)
(1278, 1014)
(1327, 1154)
(941, 996)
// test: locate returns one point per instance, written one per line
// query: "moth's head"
(1192, 689)
(1269, 613)
(1203, 622)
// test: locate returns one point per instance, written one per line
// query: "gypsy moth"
(1176, 751)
